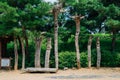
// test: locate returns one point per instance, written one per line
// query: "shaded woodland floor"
(81, 74)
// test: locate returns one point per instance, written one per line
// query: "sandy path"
(82, 74)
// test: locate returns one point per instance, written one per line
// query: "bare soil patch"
(81, 74)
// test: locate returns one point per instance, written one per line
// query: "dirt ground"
(81, 74)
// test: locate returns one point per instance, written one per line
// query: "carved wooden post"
(56, 11)
(77, 19)
(98, 52)
(89, 51)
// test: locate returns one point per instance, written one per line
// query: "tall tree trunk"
(89, 51)
(16, 54)
(47, 56)
(113, 41)
(20, 43)
(98, 52)
(77, 20)
(26, 41)
(56, 39)
(56, 11)
(26, 48)
(38, 43)
(0, 53)
(4, 48)
(23, 53)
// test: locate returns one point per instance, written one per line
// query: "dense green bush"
(110, 59)
(83, 59)
(93, 57)
(67, 59)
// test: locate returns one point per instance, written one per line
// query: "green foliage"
(113, 24)
(7, 13)
(93, 57)
(108, 2)
(101, 35)
(83, 59)
(34, 16)
(67, 59)
(113, 11)
(8, 18)
(21, 3)
(68, 2)
(108, 59)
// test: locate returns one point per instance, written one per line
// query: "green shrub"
(83, 59)
(93, 57)
(109, 59)
(118, 59)
(67, 59)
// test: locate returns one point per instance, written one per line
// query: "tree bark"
(77, 20)
(113, 41)
(89, 51)
(16, 54)
(56, 11)
(0, 53)
(47, 56)
(26, 41)
(26, 48)
(20, 43)
(98, 52)
(38, 43)
(56, 38)
(23, 53)
(4, 48)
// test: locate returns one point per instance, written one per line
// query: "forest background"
(29, 20)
